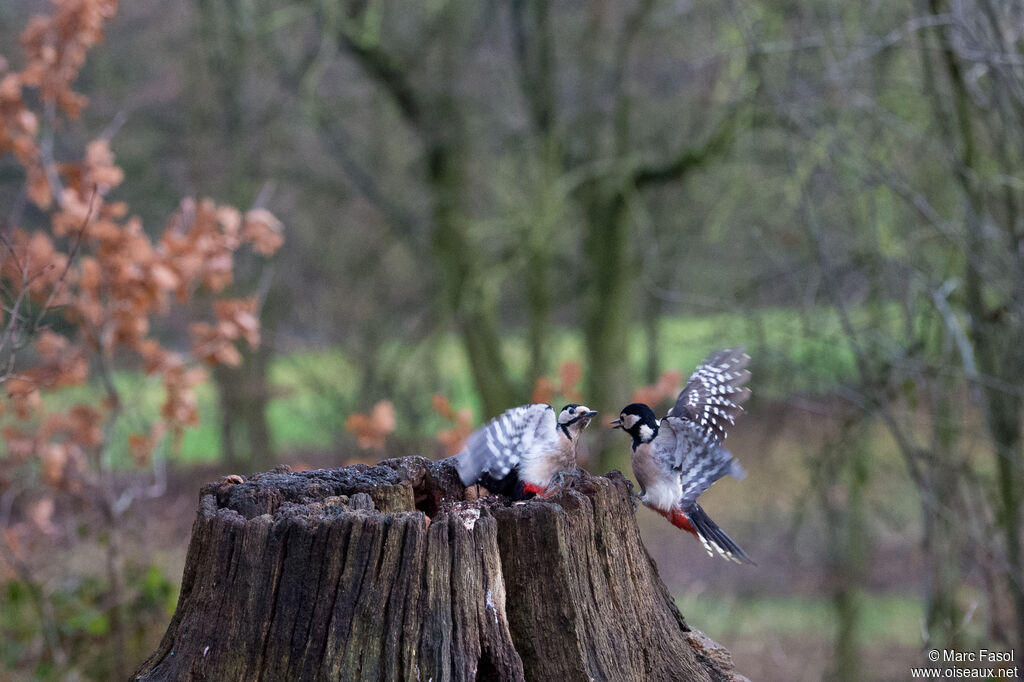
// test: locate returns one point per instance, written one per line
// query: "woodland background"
(423, 213)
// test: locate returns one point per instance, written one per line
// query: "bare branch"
(72, 254)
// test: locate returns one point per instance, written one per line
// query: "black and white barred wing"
(697, 461)
(714, 394)
(498, 448)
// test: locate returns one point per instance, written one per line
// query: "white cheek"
(629, 420)
(646, 432)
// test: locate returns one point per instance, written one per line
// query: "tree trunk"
(244, 397)
(388, 573)
(608, 315)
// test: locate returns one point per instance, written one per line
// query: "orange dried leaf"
(230, 219)
(140, 447)
(569, 374)
(238, 317)
(40, 514)
(86, 426)
(453, 440)
(100, 169)
(666, 388)
(10, 88)
(264, 230)
(371, 431)
(164, 277)
(38, 188)
(20, 445)
(51, 345)
(442, 406)
(543, 390)
(54, 456)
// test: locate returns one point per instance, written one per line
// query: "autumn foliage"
(96, 269)
(546, 388)
(666, 388)
(371, 430)
(81, 293)
(453, 438)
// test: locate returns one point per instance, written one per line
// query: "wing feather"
(697, 461)
(498, 447)
(715, 392)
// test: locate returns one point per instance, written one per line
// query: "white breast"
(539, 466)
(663, 493)
(660, 484)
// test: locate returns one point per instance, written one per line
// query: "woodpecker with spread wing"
(677, 458)
(522, 450)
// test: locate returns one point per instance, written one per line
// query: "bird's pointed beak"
(591, 414)
(616, 423)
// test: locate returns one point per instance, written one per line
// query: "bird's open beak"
(616, 423)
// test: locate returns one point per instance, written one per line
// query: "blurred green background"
(475, 192)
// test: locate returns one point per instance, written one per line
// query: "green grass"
(315, 390)
(892, 618)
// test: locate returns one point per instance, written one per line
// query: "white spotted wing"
(682, 449)
(521, 433)
(714, 394)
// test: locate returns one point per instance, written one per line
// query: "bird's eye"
(572, 410)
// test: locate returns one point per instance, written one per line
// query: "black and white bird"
(677, 458)
(522, 450)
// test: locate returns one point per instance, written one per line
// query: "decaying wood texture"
(388, 572)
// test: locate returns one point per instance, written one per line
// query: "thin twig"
(72, 254)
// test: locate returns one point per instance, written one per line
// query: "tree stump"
(388, 572)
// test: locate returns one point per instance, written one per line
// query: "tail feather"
(714, 537)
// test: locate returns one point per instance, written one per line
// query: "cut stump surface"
(388, 572)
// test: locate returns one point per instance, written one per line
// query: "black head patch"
(574, 413)
(638, 420)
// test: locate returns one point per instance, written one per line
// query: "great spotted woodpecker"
(522, 450)
(678, 457)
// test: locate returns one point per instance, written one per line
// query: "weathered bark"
(388, 573)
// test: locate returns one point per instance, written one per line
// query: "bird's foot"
(634, 498)
(558, 482)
